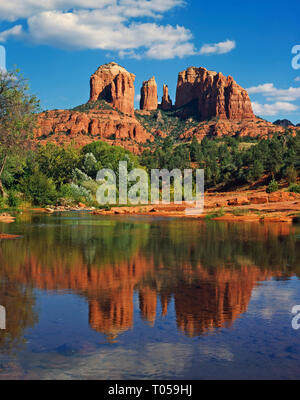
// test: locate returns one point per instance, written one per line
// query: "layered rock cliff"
(115, 85)
(149, 95)
(208, 94)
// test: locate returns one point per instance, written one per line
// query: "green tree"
(17, 118)
(39, 189)
(58, 162)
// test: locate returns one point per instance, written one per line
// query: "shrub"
(217, 214)
(2, 202)
(39, 189)
(75, 193)
(291, 174)
(273, 186)
(294, 188)
(13, 199)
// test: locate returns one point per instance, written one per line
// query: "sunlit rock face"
(166, 102)
(115, 85)
(209, 94)
(149, 95)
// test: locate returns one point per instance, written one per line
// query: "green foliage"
(57, 162)
(39, 189)
(216, 214)
(294, 188)
(17, 118)
(13, 199)
(2, 203)
(272, 187)
(291, 174)
(107, 156)
(72, 193)
(93, 105)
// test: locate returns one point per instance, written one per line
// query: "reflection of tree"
(208, 269)
(18, 301)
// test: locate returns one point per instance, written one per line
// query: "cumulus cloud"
(14, 31)
(22, 9)
(218, 48)
(269, 90)
(274, 108)
(115, 25)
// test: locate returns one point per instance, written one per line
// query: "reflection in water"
(209, 270)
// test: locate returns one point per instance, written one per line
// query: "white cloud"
(14, 31)
(273, 109)
(115, 25)
(269, 90)
(17, 9)
(218, 48)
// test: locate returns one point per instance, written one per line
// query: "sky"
(58, 44)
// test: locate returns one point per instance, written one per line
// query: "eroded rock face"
(149, 95)
(114, 84)
(66, 126)
(166, 102)
(209, 94)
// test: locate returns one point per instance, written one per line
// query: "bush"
(273, 186)
(294, 188)
(217, 214)
(13, 199)
(2, 202)
(291, 174)
(39, 189)
(74, 193)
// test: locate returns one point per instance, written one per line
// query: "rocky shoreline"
(252, 206)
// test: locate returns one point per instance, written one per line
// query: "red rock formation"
(199, 92)
(115, 85)
(210, 94)
(149, 95)
(64, 126)
(166, 102)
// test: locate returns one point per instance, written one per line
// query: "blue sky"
(58, 44)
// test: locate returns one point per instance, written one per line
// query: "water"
(91, 297)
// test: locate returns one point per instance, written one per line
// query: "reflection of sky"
(261, 343)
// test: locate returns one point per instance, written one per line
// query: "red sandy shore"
(230, 206)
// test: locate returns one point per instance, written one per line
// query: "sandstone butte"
(149, 100)
(115, 85)
(216, 104)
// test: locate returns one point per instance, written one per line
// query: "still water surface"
(91, 297)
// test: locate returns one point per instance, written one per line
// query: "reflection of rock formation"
(203, 300)
(18, 302)
(172, 266)
(216, 300)
(148, 300)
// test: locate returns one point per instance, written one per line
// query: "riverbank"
(252, 205)
(230, 206)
